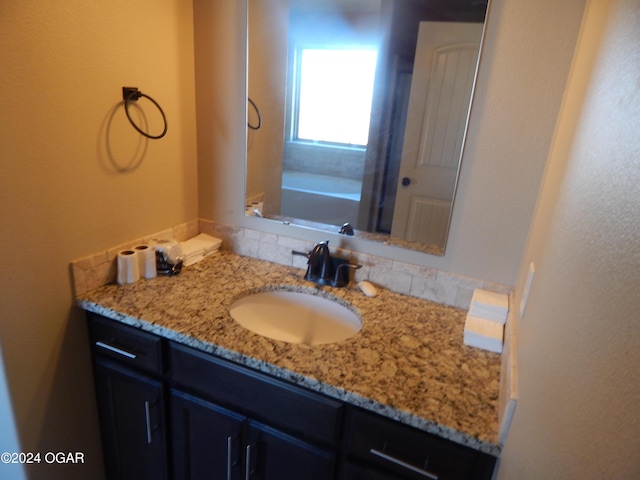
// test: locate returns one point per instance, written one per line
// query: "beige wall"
(578, 412)
(523, 71)
(62, 135)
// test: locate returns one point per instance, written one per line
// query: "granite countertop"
(408, 362)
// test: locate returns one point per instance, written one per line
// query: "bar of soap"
(367, 288)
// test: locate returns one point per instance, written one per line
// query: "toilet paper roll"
(170, 248)
(146, 261)
(128, 267)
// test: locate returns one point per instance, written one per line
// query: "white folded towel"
(199, 247)
(489, 305)
(483, 333)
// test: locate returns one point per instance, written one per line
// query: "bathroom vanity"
(185, 392)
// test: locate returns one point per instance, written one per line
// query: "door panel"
(132, 423)
(441, 87)
(207, 440)
(273, 455)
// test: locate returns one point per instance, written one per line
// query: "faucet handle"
(342, 276)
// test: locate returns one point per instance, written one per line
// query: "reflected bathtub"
(320, 198)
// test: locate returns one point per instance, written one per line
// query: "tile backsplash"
(99, 269)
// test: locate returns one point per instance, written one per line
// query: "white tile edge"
(508, 377)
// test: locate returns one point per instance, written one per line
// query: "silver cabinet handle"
(147, 418)
(111, 348)
(247, 465)
(229, 445)
(406, 465)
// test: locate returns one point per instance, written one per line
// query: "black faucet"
(322, 269)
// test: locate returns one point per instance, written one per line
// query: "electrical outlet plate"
(527, 289)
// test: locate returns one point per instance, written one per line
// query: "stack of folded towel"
(199, 247)
(484, 327)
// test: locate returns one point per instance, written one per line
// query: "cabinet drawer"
(126, 344)
(412, 453)
(265, 398)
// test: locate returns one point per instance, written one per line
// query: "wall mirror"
(357, 114)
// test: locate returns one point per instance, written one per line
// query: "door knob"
(406, 181)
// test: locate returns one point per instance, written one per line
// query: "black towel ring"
(132, 94)
(255, 107)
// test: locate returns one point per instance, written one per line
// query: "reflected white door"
(443, 75)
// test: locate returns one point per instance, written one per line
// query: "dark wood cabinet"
(207, 440)
(307, 415)
(129, 346)
(171, 411)
(274, 455)
(212, 442)
(132, 417)
(289, 433)
(404, 452)
(128, 369)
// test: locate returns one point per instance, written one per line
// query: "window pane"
(336, 90)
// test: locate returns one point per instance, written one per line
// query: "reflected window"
(333, 95)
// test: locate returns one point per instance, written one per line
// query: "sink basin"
(295, 317)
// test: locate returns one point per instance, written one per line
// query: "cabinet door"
(307, 415)
(207, 440)
(273, 455)
(131, 410)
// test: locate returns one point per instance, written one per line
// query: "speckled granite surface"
(408, 362)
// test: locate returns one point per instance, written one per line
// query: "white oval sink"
(295, 317)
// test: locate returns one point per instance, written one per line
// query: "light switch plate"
(527, 289)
